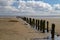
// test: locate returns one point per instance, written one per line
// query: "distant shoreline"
(31, 16)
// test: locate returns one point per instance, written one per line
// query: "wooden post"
(30, 21)
(33, 22)
(43, 24)
(47, 26)
(39, 24)
(36, 24)
(27, 20)
(52, 30)
(23, 18)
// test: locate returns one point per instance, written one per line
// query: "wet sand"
(21, 30)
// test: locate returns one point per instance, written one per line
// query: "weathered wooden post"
(53, 31)
(30, 21)
(33, 22)
(39, 25)
(27, 20)
(47, 26)
(36, 23)
(43, 24)
(24, 18)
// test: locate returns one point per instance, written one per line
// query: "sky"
(29, 7)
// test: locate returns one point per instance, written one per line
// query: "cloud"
(3, 3)
(34, 8)
(6, 8)
(34, 4)
(14, 7)
(40, 8)
(37, 5)
(56, 6)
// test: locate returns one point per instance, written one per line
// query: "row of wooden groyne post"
(40, 25)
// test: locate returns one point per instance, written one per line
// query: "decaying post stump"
(36, 23)
(43, 24)
(47, 26)
(33, 21)
(53, 31)
(40, 25)
(30, 21)
(24, 18)
(27, 20)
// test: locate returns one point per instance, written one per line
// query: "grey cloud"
(3, 3)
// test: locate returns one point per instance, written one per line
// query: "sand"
(20, 31)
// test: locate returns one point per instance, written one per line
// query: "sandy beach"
(17, 30)
(21, 30)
